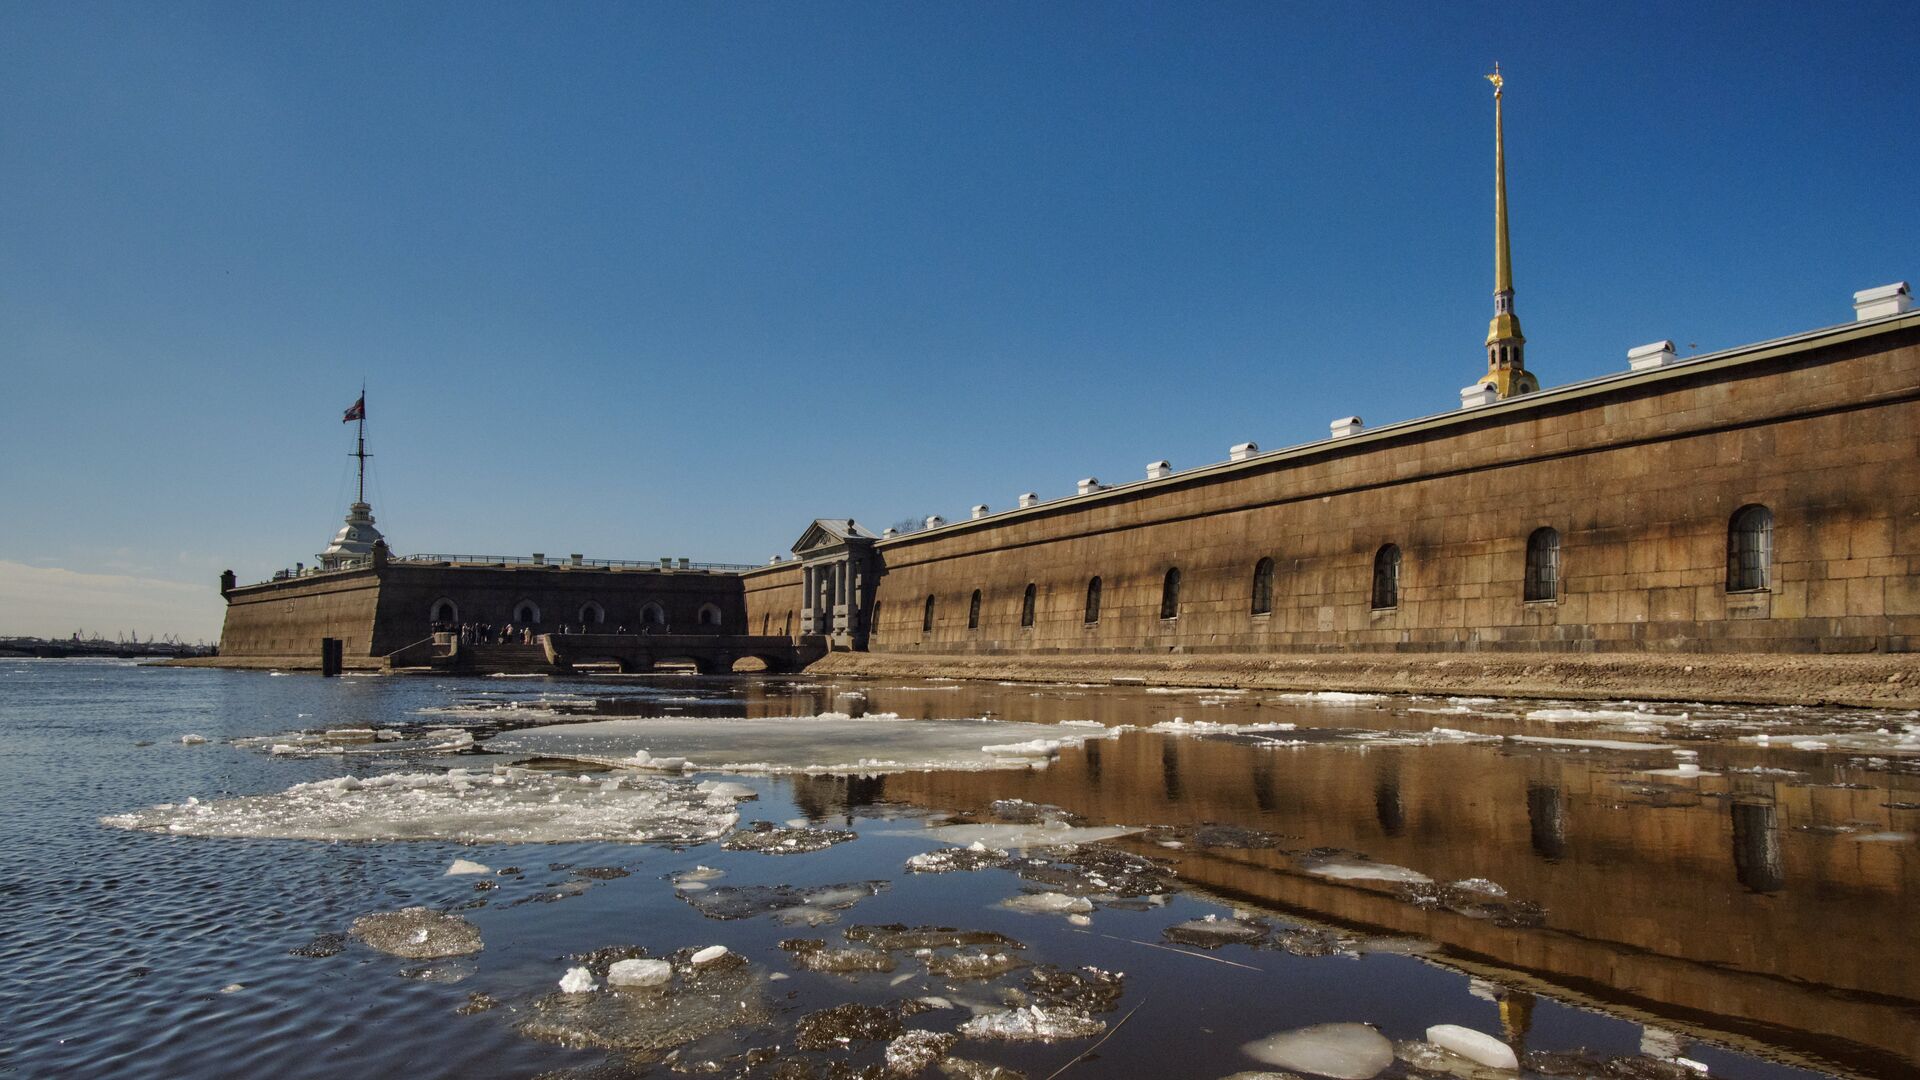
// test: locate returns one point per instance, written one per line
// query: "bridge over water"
(709, 654)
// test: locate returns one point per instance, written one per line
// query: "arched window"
(653, 614)
(1026, 606)
(973, 611)
(709, 615)
(1386, 576)
(926, 620)
(1170, 594)
(526, 613)
(1543, 565)
(1750, 549)
(1093, 601)
(445, 613)
(1263, 587)
(592, 614)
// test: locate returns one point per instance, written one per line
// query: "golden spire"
(1502, 254)
(1507, 373)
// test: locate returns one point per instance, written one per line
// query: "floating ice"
(826, 743)
(812, 905)
(1035, 1023)
(1360, 870)
(191, 739)
(1341, 1051)
(577, 981)
(708, 955)
(1599, 716)
(639, 972)
(699, 1002)
(343, 741)
(975, 856)
(507, 806)
(1588, 744)
(466, 866)
(1048, 903)
(1334, 697)
(846, 1025)
(1180, 725)
(771, 839)
(1213, 931)
(1010, 837)
(1474, 1046)
(914, 1052)
(417, 933)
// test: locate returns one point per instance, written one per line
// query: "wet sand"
(1875, 680)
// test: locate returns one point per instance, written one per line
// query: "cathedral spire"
(1507, 372)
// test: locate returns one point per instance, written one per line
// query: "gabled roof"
(826, 532)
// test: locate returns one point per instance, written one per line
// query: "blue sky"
(637, 280)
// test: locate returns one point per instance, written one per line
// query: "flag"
(357, 412)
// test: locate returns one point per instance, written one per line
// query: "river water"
(1608, 890)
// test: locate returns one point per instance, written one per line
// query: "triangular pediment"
(830, 533)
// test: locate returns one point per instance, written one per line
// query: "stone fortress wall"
(378, 610)
(1640, 474)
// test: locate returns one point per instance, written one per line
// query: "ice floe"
(1035, 1023)
(1048, 903)
(462, 867)
(1021, 837)
(1334, 697)
(639, 972)
(508, 805)
(1340, 1051)
(793, 904)
(417, 933)
(825, 743)
(344, 741)
(1362, 870)
(1473, 1045)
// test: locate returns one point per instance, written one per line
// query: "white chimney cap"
(1242, 451)
(773, 560)
(980, 511)
(1159, 469)
(1894, 299)
(935, 521)
(1088, 485)
(1029, 498)
(1352, 425)
(1652, 355)
(889, 531)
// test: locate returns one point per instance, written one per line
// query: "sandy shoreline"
(1877, 680)
(1872, 680)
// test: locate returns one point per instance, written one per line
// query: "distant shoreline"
(1882, 681)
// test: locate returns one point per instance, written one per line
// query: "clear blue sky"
(673, 279)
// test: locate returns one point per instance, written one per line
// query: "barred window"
(1093, 601)
(1386, 577)
(1026, 606)
(973, 611)
(1263, 587)
(926, 620)
(1170, 594)
(1543, 565)
(1749, 549)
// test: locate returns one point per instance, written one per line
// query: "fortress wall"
(288, 618)
(375, 612)
(490, 594)
(773, 599)
(1640, 478)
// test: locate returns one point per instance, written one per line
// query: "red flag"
(357, 412)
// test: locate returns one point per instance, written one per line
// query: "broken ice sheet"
(1021, 837)
(361, 741)
(1213, 931)
(1340, 1051)
(417, 933)
(647, 1022)
(771, 839)
(801, 905)
(1340, 868)
(826, 743)
(1035, 1023)
(509, 805)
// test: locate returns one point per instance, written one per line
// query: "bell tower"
(1507, 373)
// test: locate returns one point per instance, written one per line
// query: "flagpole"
(360, 444)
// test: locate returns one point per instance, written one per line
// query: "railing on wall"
(436, 559)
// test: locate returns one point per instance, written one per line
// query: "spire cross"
(1495, 79)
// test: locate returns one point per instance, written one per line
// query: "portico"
(837, 569)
